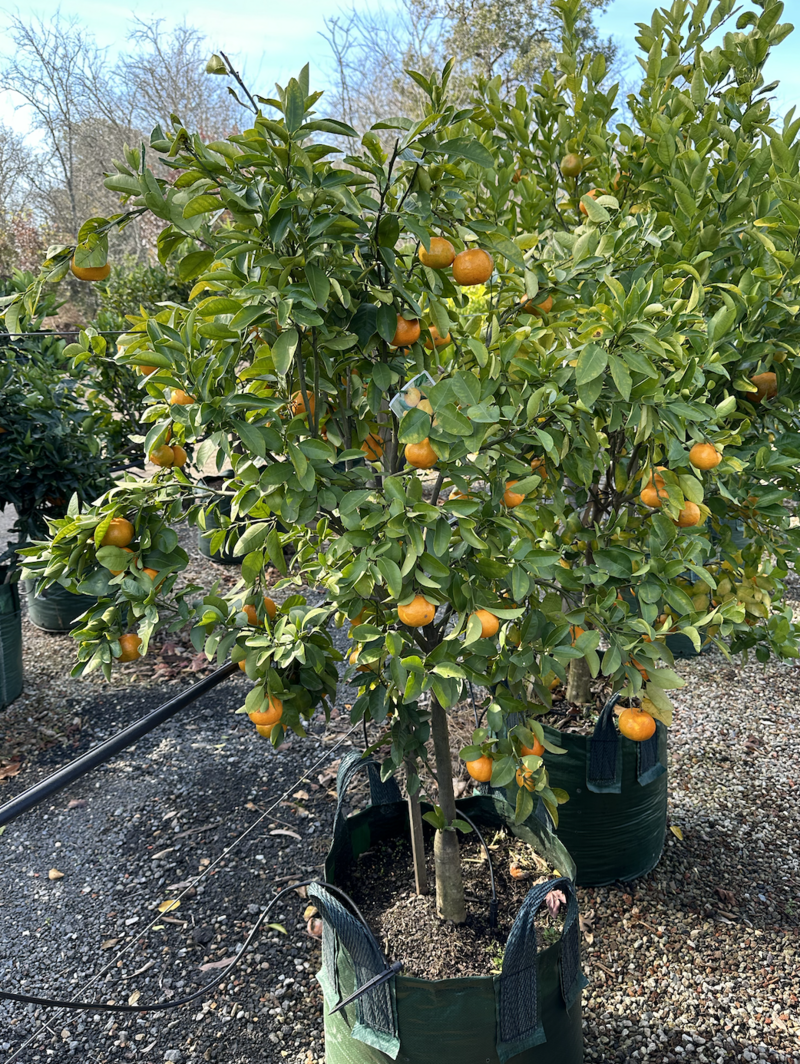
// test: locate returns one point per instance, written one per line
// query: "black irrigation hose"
(163, 1006)
(493, 905)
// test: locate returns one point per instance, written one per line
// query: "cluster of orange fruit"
(470, 267)
(269, 718)
(703, 456)
(120, 533)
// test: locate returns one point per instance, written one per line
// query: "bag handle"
(519, 1025)
(604, 764)
(376, 1009)
(381, 792)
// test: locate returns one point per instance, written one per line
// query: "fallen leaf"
(134, 997)
(9, 769)
(302, 795)
(310, 911)
(554, 900)
(726, 896)
(76, 803)
(676, 831)
(55, 874)
(168, 906)
(216, 964)
(109, 943)
(284, 831)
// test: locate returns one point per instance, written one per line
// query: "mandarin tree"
(489, 529)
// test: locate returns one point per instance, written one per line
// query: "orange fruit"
(179, 455)
(653, 494)
(636, 724)
(512, 498)
(243, 664)
(147, 370)
(417, 613)
(436, 340)
(440, 255)
(373, 447)
(152, 573)
(163, 456)
(473, 266)
(481, 769)
(354, 661)
(689, 516)
(538, 467)
(270, 716)
(129, 647)
(593, 193)
(705, 456)
(531, 306)
(575, 631)
(116, 572)
(250, 611)
(421, 455)
(407, 332)
(265, 729)
(767, 384)
(537, 750)
(270, 607)
(490, 625)
(571, 165)
(298, 405)
(180, 398)
(90, 273)
(118, 534)
(641, 668)
(525, 779)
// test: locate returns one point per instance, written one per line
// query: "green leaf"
(415, 426)
(621, 376)
(468, 148)
(294, 106)
(192, 265)
(319, 284)
(275, 551)
(283, 350)
(251, 437)
(592, 361)
(202, 205)
(391, 574)
(595, 211)
(252, 539)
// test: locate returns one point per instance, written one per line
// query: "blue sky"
(272, 40)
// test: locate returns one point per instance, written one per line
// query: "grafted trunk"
(450, 903)
(578, 682)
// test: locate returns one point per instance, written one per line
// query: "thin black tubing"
(162, 1006)
(111, 747)
(475, 828)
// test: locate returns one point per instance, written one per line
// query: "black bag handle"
(603, 763)
(519, 1025)
(381, 792)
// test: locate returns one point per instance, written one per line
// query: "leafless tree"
(372, 48)
(165, 75)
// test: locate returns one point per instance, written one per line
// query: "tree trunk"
(450, 903)
(578, 689)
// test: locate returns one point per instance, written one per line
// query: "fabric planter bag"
(55, 609)
(10, 645)
(529, 1014)
(615, 821)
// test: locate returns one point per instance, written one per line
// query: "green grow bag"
(530, 1014)
(615, 821)
(10, 645)
(55, 609)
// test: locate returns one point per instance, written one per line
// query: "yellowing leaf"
(676, 831)
(656, 703)
(168, 906)
(134, 997)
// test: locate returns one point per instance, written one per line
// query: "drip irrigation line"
(45, 1025)
(493, 903)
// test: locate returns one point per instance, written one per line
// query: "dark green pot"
(610, 836)
(10, 645)
(449, 1021)
(221, 557)
(55, 609)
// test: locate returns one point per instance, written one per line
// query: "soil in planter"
(406, 925)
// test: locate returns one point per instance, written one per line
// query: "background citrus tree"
(472, 537)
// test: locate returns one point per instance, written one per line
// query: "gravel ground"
(697, 959)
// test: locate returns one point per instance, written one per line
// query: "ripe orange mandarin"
(512, 498)
(636, 724)
(163, 456)
(481, 769)
(421, 455)
(490, 624)
(269, 716)
(118, 534)
(436, 339)
(705, 456)
(417, 613)
(90, 273)
(129, 646)
(440, 255)
(473, 266)
(407, 332)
